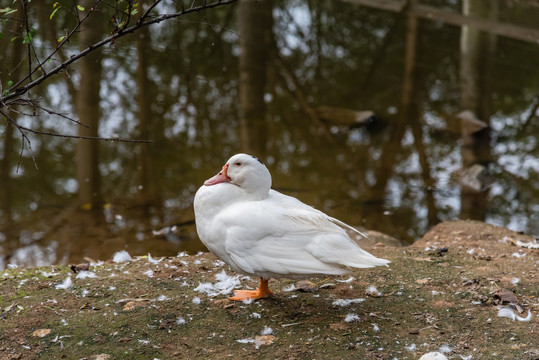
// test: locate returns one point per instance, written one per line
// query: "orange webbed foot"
(262, 292)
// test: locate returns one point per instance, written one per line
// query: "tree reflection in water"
(324, 62)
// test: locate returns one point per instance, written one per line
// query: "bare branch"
(39, 132)
(18, 91)
(13, 98)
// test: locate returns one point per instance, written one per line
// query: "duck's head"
(245, 171)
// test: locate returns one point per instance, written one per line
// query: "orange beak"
(219, 178)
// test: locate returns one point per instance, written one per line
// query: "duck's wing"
(295, 204)
(281, 236)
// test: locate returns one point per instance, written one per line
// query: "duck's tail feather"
(365, 261)
(346, 226)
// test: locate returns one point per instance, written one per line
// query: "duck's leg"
(263, 291)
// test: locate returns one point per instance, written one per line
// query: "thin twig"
(96, 138)
(83, 137)
(28, 47)
(24, 139)
(34, 103)
(39, 132)
(147, 12)
(216, 26)
(4, 100)
(64, 116)
(41, 64)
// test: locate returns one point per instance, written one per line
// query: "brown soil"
(442, 293)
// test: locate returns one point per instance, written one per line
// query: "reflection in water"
(477, 50)
(193, 92)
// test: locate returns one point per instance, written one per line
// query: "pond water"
(399, 172)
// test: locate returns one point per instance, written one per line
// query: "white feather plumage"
(258, 231)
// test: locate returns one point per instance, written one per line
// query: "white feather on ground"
(509, 313)
(66, 284)
(433, 356)
(347, 302)
(351, 318)
(121, 256)
(225, 285)
(84, 274)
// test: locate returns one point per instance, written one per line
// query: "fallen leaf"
(121, 301)
(264, 340)
(444, 304)
(504, 296)
(101, 357)
(41, 332)
(131, 305)
(306, 286)
(422, 281)
(338, 326)
(224, 303)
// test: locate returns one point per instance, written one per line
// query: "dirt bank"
(441, 294)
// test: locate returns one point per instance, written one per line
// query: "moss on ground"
(144, 310)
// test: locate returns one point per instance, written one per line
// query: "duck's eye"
(237, 164)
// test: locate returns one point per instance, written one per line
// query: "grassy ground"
(428, 300)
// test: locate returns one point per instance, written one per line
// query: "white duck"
(259, 231)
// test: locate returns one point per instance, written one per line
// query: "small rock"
(80, 267)
(439, 252)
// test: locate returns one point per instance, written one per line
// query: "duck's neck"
(214, 198)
